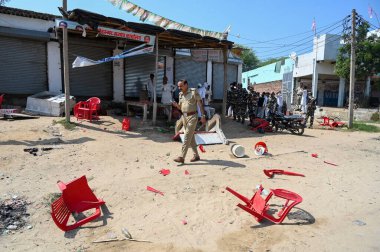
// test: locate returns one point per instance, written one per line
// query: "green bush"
(365, 127)
(375, 117)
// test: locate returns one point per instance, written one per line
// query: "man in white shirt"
(280, 102)
(202, 94)
(150, 87)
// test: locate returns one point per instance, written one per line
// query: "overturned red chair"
(76, 197)
(331, 122)
(259, 207)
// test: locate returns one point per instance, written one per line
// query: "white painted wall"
(170, 69)
(54, 67)
(209, 73)
(304, 65)
(240, 70)
(25, 23)
(118, 78)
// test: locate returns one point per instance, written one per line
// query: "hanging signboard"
(205, 54)
(105, 31)
(199, 55)
(215, 55)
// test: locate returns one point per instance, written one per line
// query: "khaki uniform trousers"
(190, 124)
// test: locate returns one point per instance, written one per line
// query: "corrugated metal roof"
(26, 13)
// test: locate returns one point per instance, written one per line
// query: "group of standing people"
(243, 103)
(167, 89)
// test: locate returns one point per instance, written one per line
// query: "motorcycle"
(294, 123)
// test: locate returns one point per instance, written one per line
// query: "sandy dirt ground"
(340, 208)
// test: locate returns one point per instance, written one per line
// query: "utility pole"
(225, 84)
(352, 71)
(66, 66)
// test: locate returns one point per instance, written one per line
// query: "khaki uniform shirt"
(188, 101)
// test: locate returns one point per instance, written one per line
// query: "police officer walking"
(188, 100)
(311, 107)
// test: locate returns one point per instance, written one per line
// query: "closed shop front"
(23, 67)
(193, 71)
(218, 78)
(94, 80)
(137, 72)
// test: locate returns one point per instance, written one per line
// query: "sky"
(271, 28)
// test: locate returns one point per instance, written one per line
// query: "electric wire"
(293, 48)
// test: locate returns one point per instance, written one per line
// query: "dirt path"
(339, 211)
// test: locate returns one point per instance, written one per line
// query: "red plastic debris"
(330, 163)
(165, 172)
(126, 124)
(201, 148)
(260, 208)
(154, 190)
(184, 222)
(271, 173)
(187, 172)
(314, 155)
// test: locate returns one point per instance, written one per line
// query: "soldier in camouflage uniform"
(272, 102)
(252, 103)
(311, 107)
(229, 97)
(241, 103)
(234, 98)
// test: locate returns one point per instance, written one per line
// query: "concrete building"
(316, 72)
(31, 49)
(273, 77)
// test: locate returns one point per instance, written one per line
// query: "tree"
(270, 61)
(367, 52)
(250, 60)
(2, 2)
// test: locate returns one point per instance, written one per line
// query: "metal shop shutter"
(193, 71)
(92, 80)
(137, 71)
(23, 67)
(218, 78)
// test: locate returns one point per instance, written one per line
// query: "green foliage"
(64, 123)
(367, 54)
(270, 61)
(250, 60)
(375, 117)
(358, 126)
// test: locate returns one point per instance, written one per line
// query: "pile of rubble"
(13, 214)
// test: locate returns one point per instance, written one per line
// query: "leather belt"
(189, 113)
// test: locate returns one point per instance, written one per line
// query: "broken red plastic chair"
(327, 121)
(80, 110)
(126, 124)
(201, 148)
(165, 172)
(263, 125)
(76, 197)
(271, 173)
(149, 188)
(259, 206)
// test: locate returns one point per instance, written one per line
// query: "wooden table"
(168, 106)
(143, 105)
(146, 105)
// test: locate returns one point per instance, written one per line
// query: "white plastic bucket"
(238, 150)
